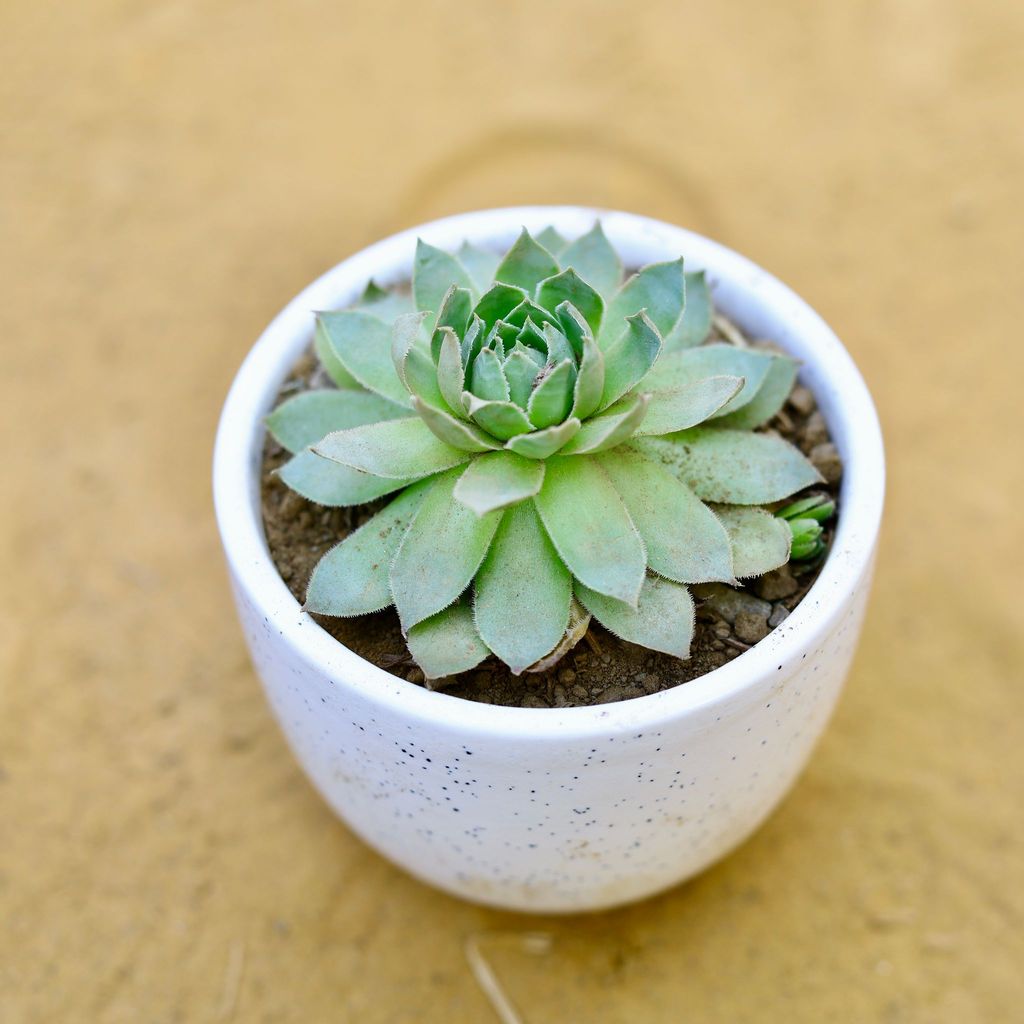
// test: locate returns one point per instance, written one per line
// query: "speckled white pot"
(580, 808)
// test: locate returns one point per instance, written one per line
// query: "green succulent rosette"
(559, 443)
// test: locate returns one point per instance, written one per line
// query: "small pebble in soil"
(776, 584)
(825, 459)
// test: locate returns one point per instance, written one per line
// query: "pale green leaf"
(353, 577)
(683, 407)
(589, 380)
(528, 309)
(497, 480)
(590, 527)
(386, 303)
(522, 591)
(628, 360)
(573, 326)
(687, 366)
(541, 443)
(440, 553)
(333, 366)
(526, 264)
(331, 484)
(407, 332)
(615, 425)
(662, 620)
(447, 643)
(398, 449)
(303, 419)
(558, 346)
(684, 539)
(695, 323)
(733, 467)
(552, 397)
(520, 371)
(569, 287)
(595, 260)
(760, 541)
(658, 290)
(434, 271)
(487, 379)
(500, 419)
(455, 310)
(768, 400)
(362, 344)
(480, 263)
(552, 240)
(497, 302)
(451, 377)
(458, 433)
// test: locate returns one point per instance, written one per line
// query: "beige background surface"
(171, 173)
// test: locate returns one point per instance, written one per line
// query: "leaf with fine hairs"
(434, 271)
(522, 591)
(304, 418)
(684, 539)
(589, 380)
(480, 263)
(760, 541)
(397, 449)
(497, 302)
(385, 303)
(662, 620)
(692, 364)
(769, 398)
(526, 264)
(569, 287)
(451, 376)
(552, 397)
(455, 310)
(658, 290)
(362, 344)
(328, 360)
(541, 443)
(552, 240)
(611, 428)
(687, 406)
(498, 480)
(695, 323)
(451, 430)
(329, 483)
(732, 467)
(487, 379)
(590, 527)
(440, 553)
(352, 578)
(520, 371)
(629, 359)
(447, 643)
(593, 257)
(503, 420)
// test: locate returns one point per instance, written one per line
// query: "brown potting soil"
(601, 668)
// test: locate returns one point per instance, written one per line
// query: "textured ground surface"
(171, 173)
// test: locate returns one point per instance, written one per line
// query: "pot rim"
(238, 455)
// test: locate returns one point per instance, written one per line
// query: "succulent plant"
(558, 444)
(805, 518)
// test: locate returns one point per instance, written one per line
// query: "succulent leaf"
(685, 541)
(568, 286)
(451, 430)
(683, 407)
(590, 527)
(658, 290)
(497, 302)
(552, 396)
(352, 578)
(760, 542)
(527, 309)
(526, 264)
(522, 591)
(520, 371)
(690, 365)
(310, 415)
(447, 643)
(694, 325)
(456, 307)
(594, 259)
(611, 428)
(503, 420)
(440, 552)
(361, 343)
(487, 378)
(732, 467)
(385, 304)
(589, 380)
(558, 346)
(396, 449)
(480, 264)
(573, 326)
(329, 483)
(328, 360)
(434, 271)
(662, 619)
(630, 358)
(542, 443)
(769, 398)
(451, 375)
(552, 240)
(498, 480)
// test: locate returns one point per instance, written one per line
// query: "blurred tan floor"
(172, 173)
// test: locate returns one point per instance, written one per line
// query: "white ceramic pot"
(578, 808)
